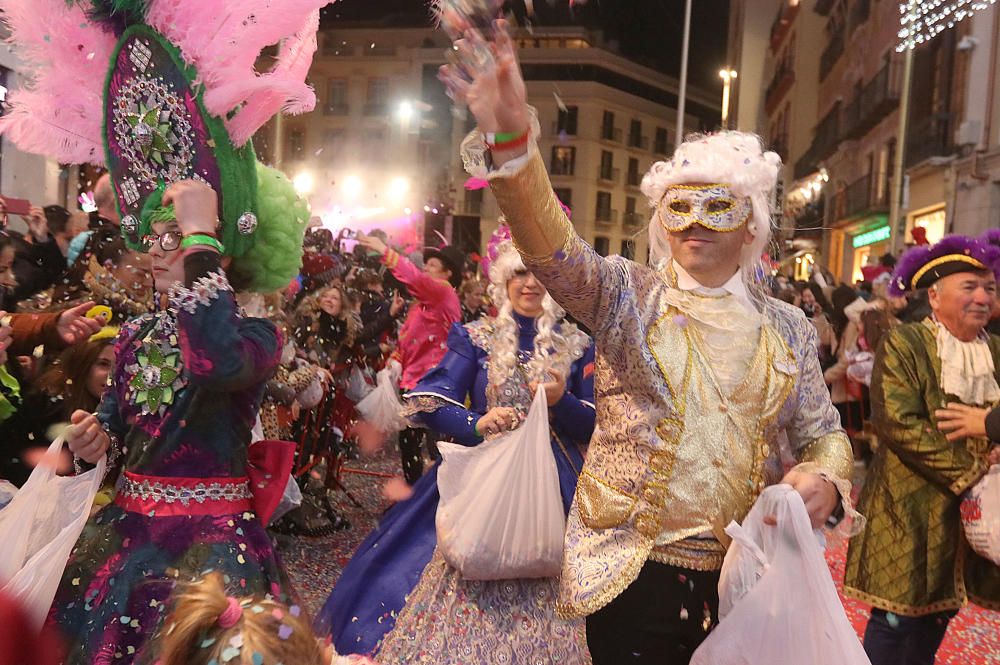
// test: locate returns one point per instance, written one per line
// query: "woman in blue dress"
(483, 386)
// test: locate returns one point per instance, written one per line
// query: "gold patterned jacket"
(912, 559)
(671, 458)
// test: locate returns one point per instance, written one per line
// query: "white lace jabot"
(967, 369)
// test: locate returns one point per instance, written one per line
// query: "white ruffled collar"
(967, 369)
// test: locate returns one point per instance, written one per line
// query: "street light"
(352, 186)
(398, 187)
(304, 183)
(727, 76)
(405, 111)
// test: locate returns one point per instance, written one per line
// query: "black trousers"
(896, 640)
(659, 620)
(409, 453)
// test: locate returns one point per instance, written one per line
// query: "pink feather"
(59, 113)
(223, 39)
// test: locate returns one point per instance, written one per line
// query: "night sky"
(647, 30)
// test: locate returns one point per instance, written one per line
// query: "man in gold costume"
(697, 371)
(930, 379)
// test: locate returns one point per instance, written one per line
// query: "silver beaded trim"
(202, 292)
(200, 493)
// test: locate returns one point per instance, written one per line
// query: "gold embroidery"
(930, 265)
(691, 553)
(602, 506)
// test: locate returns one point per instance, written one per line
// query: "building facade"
(831, 107)
(383, 121)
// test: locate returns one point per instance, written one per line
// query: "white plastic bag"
(860, 366)
(359, 384)
(501, 515)
(291, 499)
(39, 528)
(981, 515)
(382, 406)
(777, 601)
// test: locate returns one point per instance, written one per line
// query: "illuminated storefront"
(869, 244)
(932, 220)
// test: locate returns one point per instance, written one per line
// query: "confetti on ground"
(315, 563)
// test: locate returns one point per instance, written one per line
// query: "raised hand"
(487, 77)
(196, 206)
(37, 223)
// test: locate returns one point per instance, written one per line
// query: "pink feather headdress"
(60, 112)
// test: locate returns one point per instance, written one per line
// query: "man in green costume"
(912, 563)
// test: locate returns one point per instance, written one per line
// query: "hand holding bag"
(39, 529)
(777, 601)
(501, 515)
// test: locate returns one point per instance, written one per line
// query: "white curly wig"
(737, 159)
(548, 341)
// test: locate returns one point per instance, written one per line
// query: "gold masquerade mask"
(711, 206)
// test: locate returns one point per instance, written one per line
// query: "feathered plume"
(114, 15)
(499, 237)
(223, 39)
(916, 258)
(59, 112)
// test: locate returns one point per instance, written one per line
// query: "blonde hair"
(736, 159)
(191, 635)
(310, 310)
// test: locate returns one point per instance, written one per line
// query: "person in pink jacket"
(423, 337)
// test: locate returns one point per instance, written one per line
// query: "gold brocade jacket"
(671, 457)
(912, 559)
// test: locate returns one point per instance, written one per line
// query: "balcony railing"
(782, 22)
(336, 109)
(640, 142)
(931, 136)
(633, 179)
(606, 216)
(860, 198)
(824, 143)
(609, 175)
(809, 221)
(828, 133)
(472, 208)
(823, 7)
(780, 84)
(376, 109)
(558, 129)
(633, 219)
(831, 54)
(859, 13)
(611, 134)
(333, 49)
(875, 100)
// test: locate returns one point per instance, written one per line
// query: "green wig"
(275, 257)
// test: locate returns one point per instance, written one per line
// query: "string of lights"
(922, 21)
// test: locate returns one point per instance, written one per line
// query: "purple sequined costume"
(186, 390)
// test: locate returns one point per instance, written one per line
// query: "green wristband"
(203, 239)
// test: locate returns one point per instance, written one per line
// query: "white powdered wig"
(548, 341)
(736, 159)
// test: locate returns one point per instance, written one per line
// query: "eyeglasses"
(169, 241)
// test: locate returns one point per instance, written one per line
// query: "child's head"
(207, 626)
